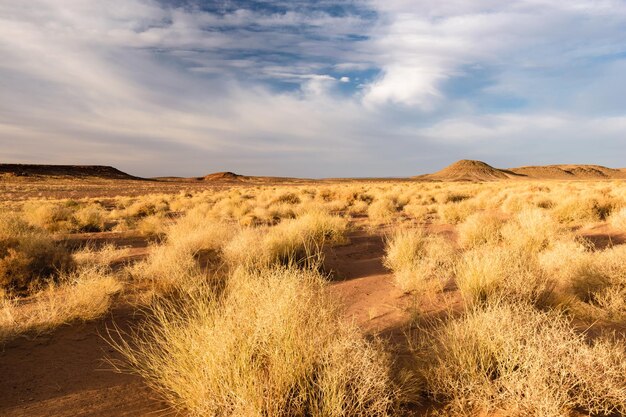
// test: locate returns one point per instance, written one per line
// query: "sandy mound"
(468, 170)
(64, 171)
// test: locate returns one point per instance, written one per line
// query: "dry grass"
(271, 345)
(490, 274)
(510, 359)
(420, 262)
(175, 261)
(82, 295)
(479, 229)
(29, 257)
(618, 220)
(297, 240)
(90, 256)
(594, 282)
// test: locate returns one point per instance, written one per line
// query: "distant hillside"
(469, 170)
(231, 177)
(64, 171)
(224, 176)
(565, 172)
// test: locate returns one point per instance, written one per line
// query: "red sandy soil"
(64, 374)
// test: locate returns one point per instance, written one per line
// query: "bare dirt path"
(365, 286)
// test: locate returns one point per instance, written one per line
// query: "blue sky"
(312, 88)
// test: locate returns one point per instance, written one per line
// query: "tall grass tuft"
(272, 344)
(513, 360)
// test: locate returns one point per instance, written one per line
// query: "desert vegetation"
(525, 284)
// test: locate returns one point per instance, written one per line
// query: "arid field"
(470, 292)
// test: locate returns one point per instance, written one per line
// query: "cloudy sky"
(312, 88)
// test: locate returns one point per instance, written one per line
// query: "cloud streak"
(316, 89)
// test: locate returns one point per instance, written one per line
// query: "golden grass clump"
(577, 209)
(418, 211)
(382, 210)
(29, 257)
(479, 229)
(293, 240)
(489, 274)
(53, 217)
(456, 212)
(618, 220)
(90, 218)
(272, 344)
(90, 256)
(532, 230)
(594, 280)
(513, 360)
(194, 237)
(420, 261)
(84, 294)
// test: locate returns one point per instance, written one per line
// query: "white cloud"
(158, 88)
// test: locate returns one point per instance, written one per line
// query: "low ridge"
(223, 176)
(65, 171)
(570, 171)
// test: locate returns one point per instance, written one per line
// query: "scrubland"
(528, 280)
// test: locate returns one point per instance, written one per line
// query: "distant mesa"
(64, 171)
(478, 171)
(223, 176)
(565, 172)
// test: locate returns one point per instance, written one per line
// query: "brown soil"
(64, 374)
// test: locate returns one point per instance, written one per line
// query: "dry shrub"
(287, 198)
(272, 344)
(420, 262)
(191, 238)
(358, 207)
(90, 256)
(454, 213)
(418, 211)
(595, 280)
(297, 240)
(153, 226)
(53, 217)
(84, 295)
(90, 218)
(28, 257)
(532, 230)
(382, 211)
(479, 229)
(489, 274)
(618, 220)
(578, 209)
(514, 360)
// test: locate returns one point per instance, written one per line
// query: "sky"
(353, 88)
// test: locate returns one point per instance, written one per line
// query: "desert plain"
(473, 291)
